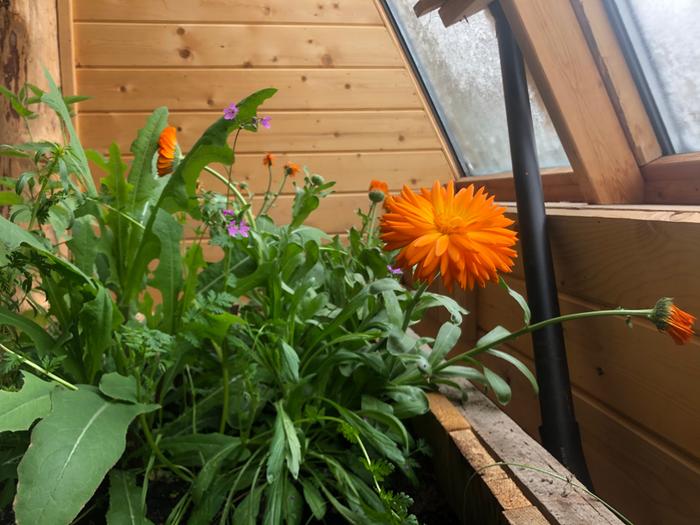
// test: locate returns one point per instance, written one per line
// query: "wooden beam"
(674, 179)
(618, 79)
(423, 7)
(66, 46)
(559, 185)
(562, 65)
(452, 11)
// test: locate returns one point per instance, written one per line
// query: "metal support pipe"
(559, 430)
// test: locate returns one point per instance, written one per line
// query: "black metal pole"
(559, 430)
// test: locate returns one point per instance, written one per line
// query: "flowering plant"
(268, 383)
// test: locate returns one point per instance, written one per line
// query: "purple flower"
(394, 271)
(238, 230)
(231, 111)
(265, 122)
(228, 212)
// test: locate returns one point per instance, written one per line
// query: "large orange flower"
(167, 146)
(464, 236)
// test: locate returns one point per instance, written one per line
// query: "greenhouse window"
(662, 38)
(460, 71)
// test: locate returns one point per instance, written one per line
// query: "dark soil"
(429, 504)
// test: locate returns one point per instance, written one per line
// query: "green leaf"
(377, 439)
(517, 364)
(493, 336)
(119, 387)
(196, 449)
(168, 275)
(518, 298)
(125, 501)
(71, 451)
(275, 461)
(290, 363)
(314, 499)
(43, 341)
(293, 445)
(84, 244)
(431, 300)
(293, 505)
(274, 496)
(18, 410)
(498, 385)
(55, 101)
(211, 467)
(408, 400)
(96, 320)
(142, 176)
(212, 147)
(8, 198)
(247, 512)
(386, 285)
(445, 341)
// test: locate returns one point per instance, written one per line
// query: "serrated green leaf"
(125, 501)
(519, 299)
(71, 451)
(18, 410)
(117, 386)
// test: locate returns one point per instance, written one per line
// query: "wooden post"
(28, 42)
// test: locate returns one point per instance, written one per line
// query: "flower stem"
(269, 204)
(239, 197)
(537, 326)
(412, 304)
(39, 368)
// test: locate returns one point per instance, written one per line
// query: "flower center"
(447, 224)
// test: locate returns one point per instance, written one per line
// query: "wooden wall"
(348, 106)
(636, 393)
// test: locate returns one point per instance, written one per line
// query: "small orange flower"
(379, 185)
(463, 236)
(268, 159)
(291, 169)
(675, 322)
(167, 145)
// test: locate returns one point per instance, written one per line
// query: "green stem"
(547, 322)
(39, 368)
(272, 201)
(120, 213)
(269, 187)
(412, 304)
(239, 197)
(177, 470)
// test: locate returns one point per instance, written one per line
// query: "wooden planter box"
(470, 439)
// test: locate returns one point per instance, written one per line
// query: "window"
(665, 40)
(461, 71)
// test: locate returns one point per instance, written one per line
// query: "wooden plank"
(649, 484)
(291, 131)
(350, 171)
(453, 11)
(618, 79)
(240, 11)
(625, 257)
(423, 7)
(558, 184)
(640, 373)
(159, 45)
(674, 179)
(561, 63)
(66, 46)
(206, 89)
(419, 86)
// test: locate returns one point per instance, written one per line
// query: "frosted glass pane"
(461, 68)
(666, 37)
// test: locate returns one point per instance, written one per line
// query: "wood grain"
(207, 89)
(639, 373)
(291, 131)
(239, 11)
(558, 184)
(557, 54)
(159, 45)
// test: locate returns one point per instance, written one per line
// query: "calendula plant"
(268, 383)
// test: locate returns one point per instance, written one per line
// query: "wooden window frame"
(595, 106)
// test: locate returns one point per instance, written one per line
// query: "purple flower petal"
(240, 229)
(230, 112)
(394, 271)
(265, 122)
(228, 212)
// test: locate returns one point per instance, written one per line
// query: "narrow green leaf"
(18, 410)
(408, 400)
(275, 461)
(498, 385)
(211, 468)
(517, 364)
(314, 499)
(247, 512)
(119, 387)
(43, 341)
(274, 495)
(71, 451)
(445, 341)
(290, 363)
(125, 501)
(492, 336)
(293, 445)
(293, 504)
(518, 298)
